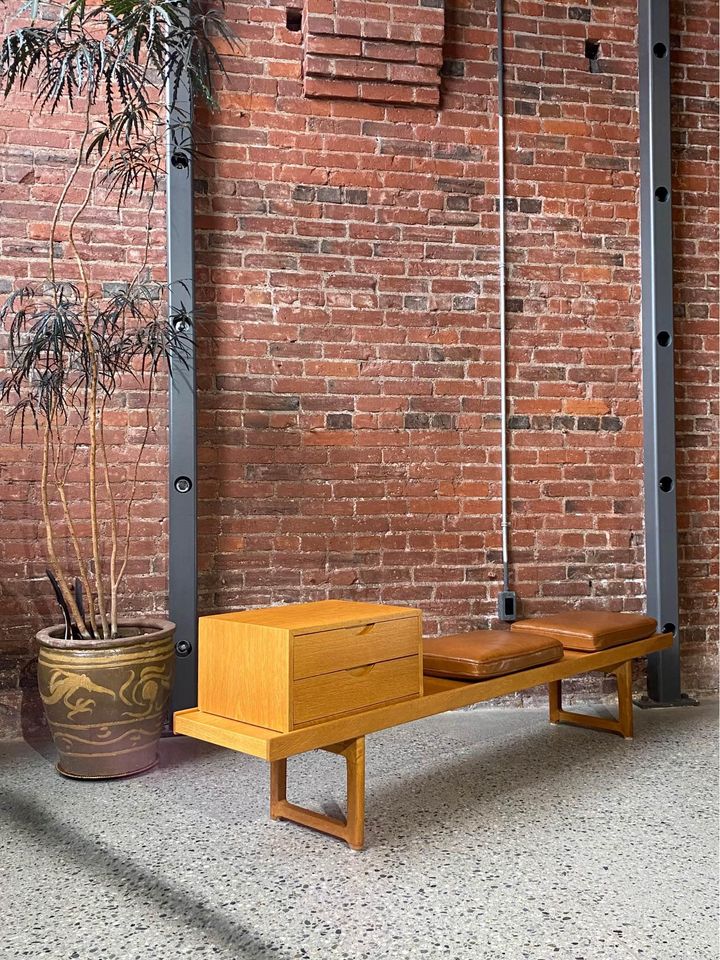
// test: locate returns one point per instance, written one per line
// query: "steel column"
(658, 375)
(182, 405)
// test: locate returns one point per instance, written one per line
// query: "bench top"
(439, 696)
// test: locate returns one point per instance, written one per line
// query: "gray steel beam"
(658, 375)
(182, 406)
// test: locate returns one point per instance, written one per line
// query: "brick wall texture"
(348, 350)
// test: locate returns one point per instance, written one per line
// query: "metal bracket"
(658, 376)
(182, 410)
(645, 703)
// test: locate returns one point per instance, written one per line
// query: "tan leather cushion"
(589, 629)
(487, 653)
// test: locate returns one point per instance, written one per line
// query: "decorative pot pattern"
(106, 704)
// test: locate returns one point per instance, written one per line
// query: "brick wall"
(348, 371)
(376, 52)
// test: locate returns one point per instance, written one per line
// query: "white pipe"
(503, 329)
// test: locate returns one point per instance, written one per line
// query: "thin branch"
(115, 580)
(74, 445)
(92, 489)
(148, 234)
(113, 525)
(82, 567)
(55, 565)
(93, 401)
(70, 181)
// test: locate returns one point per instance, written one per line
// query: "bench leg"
(624, 723)
(352, 829)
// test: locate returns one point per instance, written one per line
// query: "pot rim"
(153, 628)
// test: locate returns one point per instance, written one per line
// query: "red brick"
(316, 87)
(337, 46)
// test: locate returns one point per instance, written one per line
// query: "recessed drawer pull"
(344, 648)
(355, 688)
(360, 671)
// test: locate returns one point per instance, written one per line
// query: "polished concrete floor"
(491, 834)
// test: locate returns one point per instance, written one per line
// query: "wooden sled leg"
(278, 786)
(352, 829)
(624, 723)
(623, 678)
(555, 697)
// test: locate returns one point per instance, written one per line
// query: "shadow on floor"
(145, 885)
(542, 758)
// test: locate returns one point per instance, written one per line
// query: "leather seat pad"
(589, 629)
(487, 653)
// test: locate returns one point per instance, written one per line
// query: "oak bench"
(278, 680)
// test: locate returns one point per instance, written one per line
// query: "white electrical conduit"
(503, 330)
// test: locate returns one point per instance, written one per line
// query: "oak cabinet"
(286, 667)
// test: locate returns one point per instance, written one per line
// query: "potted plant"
(73, 348)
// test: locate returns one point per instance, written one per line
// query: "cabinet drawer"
(348, 691)
(331, 650)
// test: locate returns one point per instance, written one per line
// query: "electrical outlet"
(507, 606)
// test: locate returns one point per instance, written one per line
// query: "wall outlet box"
(507, 606)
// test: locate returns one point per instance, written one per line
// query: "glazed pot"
(105, 700)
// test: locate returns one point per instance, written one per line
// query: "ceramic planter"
(105, 700)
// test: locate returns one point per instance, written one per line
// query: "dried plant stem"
(82, 566)
(116, 580)
(113, 526)
(92, 489)
(115, 576)
(66, 189)
(148, 235)
(55, 565)
(93, 409)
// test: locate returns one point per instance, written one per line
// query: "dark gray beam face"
(658, 388)
(182, 413)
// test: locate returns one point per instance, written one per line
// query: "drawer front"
(331, 650)
(349, 691)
